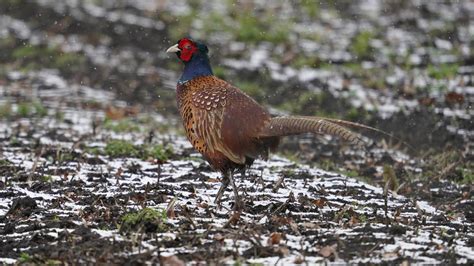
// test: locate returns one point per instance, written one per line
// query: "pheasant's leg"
(238, 205)
(225, 183)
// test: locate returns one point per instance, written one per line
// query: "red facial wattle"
(188, 48)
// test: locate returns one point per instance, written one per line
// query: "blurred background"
(91, 142)
(405, 67)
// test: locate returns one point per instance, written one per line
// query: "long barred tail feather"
(362, 126)
(285, 126)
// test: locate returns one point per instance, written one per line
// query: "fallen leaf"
(234, 218)
(218, 237)
(465, 195)
(354, 220)
(320, 202)
(282, 251)
(398, 212)
(117, 113)
(138, 197)
(280, 220)
(426, 101)
(454, 97)
(203, 205)
(310, 225)
(327, 251)
(346, 83)
(291, 197)
(114, 113)
(405, 263)
(274, 238)
(389, 255)
(288, 57)
(408, 90)
(171, 261)
(298, 260)
(71, 194)
(119, 172)
(294, 227)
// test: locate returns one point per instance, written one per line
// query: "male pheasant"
(228, 127)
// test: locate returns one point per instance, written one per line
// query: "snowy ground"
(89, 133)
(62, 201)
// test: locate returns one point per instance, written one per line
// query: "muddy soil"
(95, 168)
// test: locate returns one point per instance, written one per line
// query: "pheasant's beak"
(173, 49)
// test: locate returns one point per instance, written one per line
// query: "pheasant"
(228, 127)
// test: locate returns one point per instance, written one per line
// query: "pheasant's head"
(187, 49)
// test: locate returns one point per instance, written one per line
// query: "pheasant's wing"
(243, 120)
(227, 120)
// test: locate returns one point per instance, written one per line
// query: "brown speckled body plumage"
(223, 123)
